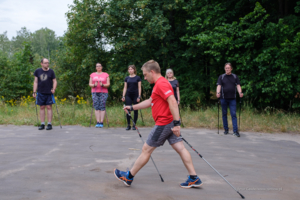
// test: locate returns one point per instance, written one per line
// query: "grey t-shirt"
(175, 84)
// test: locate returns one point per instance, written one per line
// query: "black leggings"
(129, 100)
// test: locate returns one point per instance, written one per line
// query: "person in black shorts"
(132, 92)
(174, 83)
(226, 90)
(43, 89)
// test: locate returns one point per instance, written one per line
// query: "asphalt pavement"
(77, 163)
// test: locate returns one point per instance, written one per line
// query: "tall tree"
(44, 41)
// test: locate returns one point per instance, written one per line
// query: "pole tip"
(162, 180)
(241, 195)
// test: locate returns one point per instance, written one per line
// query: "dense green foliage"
(261, 38)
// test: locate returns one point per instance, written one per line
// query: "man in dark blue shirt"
(43, 89)
(226, 90)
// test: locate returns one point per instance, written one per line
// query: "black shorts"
(44, 99)
(159, 134)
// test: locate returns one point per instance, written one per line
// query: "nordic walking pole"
(125, 118)
(180, 117)
(240, 113)
(56, 109)
(162, 180)
(105, 107)
(92, 106)
(212, 167)
(218, 114)
(106, 118)
(142, 117)
(37, 116)
(92, 111)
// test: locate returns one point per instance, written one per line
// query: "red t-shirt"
(160, 107)
(99, 77)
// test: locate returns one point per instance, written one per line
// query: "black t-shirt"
(132, 85)
(228, 83)
(175, 84)
(45, 80)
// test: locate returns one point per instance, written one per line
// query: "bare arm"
(54, 86)
(107, 83)
(178, 94)
(175, 112)
(124, 89)
(140, 91)
(240, 90)
(218, 91)
(173, 107)
(140, 88)
(91, 83)
(35, 85)
(142, 105)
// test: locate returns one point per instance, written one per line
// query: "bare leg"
(142, 159)
(102, 114)
(42, 113)
(185, 157)
(49, 113)
(97, 114)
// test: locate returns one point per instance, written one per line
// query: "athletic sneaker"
(191, 183)
(133, 128)
(49, 127)
(128, 128)
(123, 176)
(101, 125)
(42, 126)
(237, 134)
(225, 132)
(97, 125)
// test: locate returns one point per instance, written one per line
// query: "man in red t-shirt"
(167, 127)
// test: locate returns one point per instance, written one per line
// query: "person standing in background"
(132, 93)
(226, 89)
(174, 83)
(44, 87)
(99, 82)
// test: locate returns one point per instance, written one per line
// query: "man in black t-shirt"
(226, 89)
(43, 89)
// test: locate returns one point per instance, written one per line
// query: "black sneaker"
(42, 126)
(237, 134)
(225, 132)
(128, 128)
(49, 127)
(133, 128)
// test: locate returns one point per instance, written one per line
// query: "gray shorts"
(159, 134)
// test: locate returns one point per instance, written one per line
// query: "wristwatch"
(176, 123)
(131, 108)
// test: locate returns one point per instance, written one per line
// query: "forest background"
(193, 37)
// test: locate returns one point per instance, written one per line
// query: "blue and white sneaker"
(97, 125)
(191, 183)
(123, 176)
(101, 125)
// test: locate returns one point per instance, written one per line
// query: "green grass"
(251, 120)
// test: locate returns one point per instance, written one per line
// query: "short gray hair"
(151, 65)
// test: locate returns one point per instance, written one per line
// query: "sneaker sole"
(120, 179)
(187, 187)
